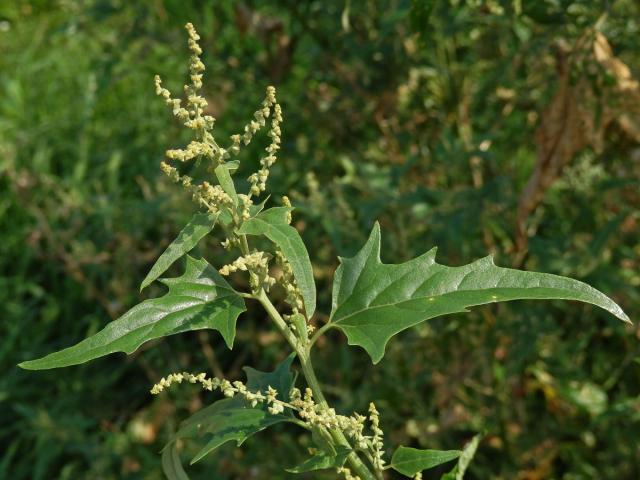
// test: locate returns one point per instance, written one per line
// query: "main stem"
(304, 356)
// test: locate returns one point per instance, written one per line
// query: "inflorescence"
(311, 413)
(191, 112)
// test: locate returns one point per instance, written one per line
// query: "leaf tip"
(432, 253)
(377, 355)
(36, 364)
(375, 231)
(229, 341)
(617, 311)
(374, 239)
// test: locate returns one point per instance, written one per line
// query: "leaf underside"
(409, 461)
(273, 224)
(198, 299)
(233, 419)
(197, 228)
(373, 301)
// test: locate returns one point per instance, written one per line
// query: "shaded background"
(503, 127)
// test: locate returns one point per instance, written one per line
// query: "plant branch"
(309, 373)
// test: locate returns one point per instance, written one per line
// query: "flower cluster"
(258, 180)
(311, 413)
(192, 116)
(228, 389)
(214, 198)
(376, 442)
(347, 474)
(257, 264)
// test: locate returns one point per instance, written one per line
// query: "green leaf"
(281, 378)
(273, 224)
(198, 299)
(199, 226)
(323, 441)
(171, 464)
(466, 456)
(233, 419)
(258, 207)
(231, 422)
(322, 461)
(373, 301)
(410, 461)
(223, 174)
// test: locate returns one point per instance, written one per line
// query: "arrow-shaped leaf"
(199, 299)
(233, 419)
(373, 301)
(199, 226)
(409, 461)
(273, 224)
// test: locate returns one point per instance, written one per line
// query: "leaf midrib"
(368, 307)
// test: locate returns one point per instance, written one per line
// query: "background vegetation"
(509, 127)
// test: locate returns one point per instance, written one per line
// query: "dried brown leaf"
(577, 118)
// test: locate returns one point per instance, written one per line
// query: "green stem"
(319, 333)
(304, 356)
(244, 245)
(279, 321)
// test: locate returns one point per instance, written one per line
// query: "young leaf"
(199, 226)
(199, 299)
(373, 301)
(273, 224)
(233, 419)
(409, 461)
(322, 461)
(466, 456)
(223, 174)
(171, 464)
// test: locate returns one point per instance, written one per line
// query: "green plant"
(372, 302)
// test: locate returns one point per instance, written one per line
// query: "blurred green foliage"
(419, 113)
